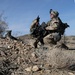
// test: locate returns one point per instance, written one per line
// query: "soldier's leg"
(36, 42)
(47, 39)
(39, 39)
(56, 37)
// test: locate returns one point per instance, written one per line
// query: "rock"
(15, 41)
(2, 53)
(9, 47)
(1, 73)
(28, 69)
(12, 74)
(70, 73)
(35, 68)
(33, 55)
(20, 58)
(72, 67)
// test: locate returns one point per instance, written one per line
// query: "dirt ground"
(21, 58)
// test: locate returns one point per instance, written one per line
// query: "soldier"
(53, 25)
(34, 26)
(36, 31)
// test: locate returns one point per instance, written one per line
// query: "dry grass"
(60, 59)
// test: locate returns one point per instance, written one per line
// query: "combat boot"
(42, 42)
(35, 44)
(64, 46)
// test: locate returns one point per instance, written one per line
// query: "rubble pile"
(21, 58)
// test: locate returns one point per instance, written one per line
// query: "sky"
(20, 13)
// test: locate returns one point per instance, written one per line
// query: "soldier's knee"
(57, 37)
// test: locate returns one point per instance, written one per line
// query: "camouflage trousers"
(52, 37)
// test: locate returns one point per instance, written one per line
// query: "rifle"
(38, 18)
(42, 32)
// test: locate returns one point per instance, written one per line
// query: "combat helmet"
(55, 13)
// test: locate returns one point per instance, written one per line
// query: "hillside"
(21, 58)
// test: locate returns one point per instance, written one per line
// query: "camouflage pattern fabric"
(33, 27)
(53, 24)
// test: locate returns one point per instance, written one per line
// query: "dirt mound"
(21, 58)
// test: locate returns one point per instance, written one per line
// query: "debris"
(28, 69)
(70, 73)
(20, 58)
(35, 68)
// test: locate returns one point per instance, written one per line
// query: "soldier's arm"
(55, 25)
(33, 24)
(48, 27)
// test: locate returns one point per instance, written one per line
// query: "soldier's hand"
(49, 28)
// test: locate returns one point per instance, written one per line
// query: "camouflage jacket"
(33, 25)
(53, 24)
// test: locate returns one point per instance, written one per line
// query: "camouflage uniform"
(34, 30)
(53, 24)
(33, 26)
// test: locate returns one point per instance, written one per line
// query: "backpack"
(62, 28)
